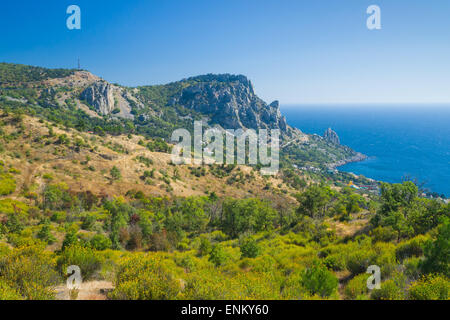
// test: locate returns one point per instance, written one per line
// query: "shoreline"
(358, 157)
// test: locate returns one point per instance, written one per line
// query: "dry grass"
(39, 159)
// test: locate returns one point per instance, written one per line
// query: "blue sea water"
(400, 140)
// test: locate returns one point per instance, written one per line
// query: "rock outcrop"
(107, 99)
(100, 95)
(331, 136)
(230, 101)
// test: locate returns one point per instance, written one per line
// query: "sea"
(401, 141)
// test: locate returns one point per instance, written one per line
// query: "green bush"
(356, 288)
(7, 184)
(250, 248)
(8, 293)
(384, 234)
(218, 255)
(389, 291)
(205, 247)
(115, 173)
(100, 242)
(318, 280)
(59, 216)
(45, 233)
(437, 252)
(143, 277)
(358, 261)
(29, 271)
(433, 287)
(87, 259)
(335, 262)
(411, 248)
(412, 268)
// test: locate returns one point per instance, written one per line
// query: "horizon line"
(291, 104)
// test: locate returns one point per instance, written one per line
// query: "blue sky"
(295, 51)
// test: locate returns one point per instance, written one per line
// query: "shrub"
(87, 259)
(384, 234)
(30, 272)
(100, 242)
(70, 239)
(336, 262)
(8, 293)
(437, 253)
(59, 216)
(433, 287)
(412, 268)
(205, 247)
(115, 173)
(318, 280)
(56, 197)
(188, 263)
(218, 255)
(359, 261)
(7, 184)
(45, 233)
(356, 288)
(142, 277)
(250, 248)
(247, 215)
(389, 291)
(412, 248)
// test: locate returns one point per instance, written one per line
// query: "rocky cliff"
(87, 102)
(230, 102)
(331, 136)
(107, 99)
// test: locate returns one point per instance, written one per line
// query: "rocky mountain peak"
(230, 101)
(107, 99)
(331, 136)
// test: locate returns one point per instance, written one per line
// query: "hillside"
(86, 179)
(44, 153)
(88, 103)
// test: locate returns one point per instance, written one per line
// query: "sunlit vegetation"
(222, 248)
(316, 241)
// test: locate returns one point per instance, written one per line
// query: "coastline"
(358, 157)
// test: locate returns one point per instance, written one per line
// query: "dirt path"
(90, 290)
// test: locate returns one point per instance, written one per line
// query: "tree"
(100, 242)
(437, 252)
(205, 247)
(45, 234)
(318, 280)
(69, 240)
(194, 218)
(397, 196)
(115, 173)
(218, 255)
(314, 201)
(402, 210)
(250, 248)
(120, 215)
(247, 215)
(352, 203)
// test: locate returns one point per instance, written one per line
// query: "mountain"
(331, 136)
(229, 101)
(86, 180)
(79, 99)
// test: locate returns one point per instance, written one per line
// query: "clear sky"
(296, 51)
